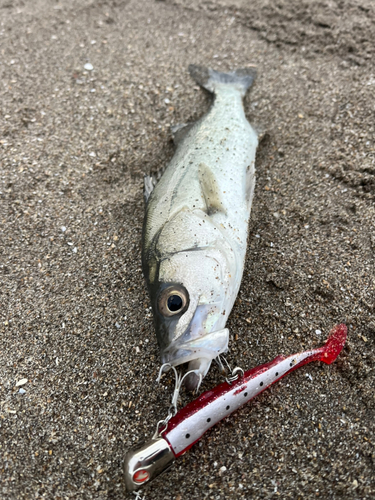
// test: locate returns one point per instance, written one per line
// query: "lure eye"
(173, 300)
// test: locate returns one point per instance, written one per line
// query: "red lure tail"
(331, 349)
(334, 344)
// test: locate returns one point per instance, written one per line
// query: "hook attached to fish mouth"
(198, 352)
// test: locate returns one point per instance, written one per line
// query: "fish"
(188, 425)
(196, 226)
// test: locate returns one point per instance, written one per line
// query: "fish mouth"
(209, 347)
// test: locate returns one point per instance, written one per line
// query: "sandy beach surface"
(88, 92)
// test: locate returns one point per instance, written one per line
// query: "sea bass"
(196, 226)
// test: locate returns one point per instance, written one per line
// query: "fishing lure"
(179, 432)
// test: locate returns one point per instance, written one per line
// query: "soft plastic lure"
(191, 422)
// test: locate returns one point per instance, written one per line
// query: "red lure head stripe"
(140, 476)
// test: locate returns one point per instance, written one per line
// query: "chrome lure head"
(146, 462)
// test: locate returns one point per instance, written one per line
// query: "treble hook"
(177, 388)
(177, 385)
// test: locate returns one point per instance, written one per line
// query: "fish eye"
(173, 300)
(174, 303)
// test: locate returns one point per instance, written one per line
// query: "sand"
(75, 319)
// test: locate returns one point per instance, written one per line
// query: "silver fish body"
(196, 226)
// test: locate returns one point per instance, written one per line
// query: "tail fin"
(209, 79)
(334, 344)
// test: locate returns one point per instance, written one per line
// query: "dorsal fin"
(250, 184)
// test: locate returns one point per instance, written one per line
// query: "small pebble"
(23, 381)
(63, 229)
(318, 332)
(22, 391)
(88, 66)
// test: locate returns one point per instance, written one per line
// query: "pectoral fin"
(149, 184)
(179, 131)
(210, 190)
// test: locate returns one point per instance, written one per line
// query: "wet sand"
(75, 322)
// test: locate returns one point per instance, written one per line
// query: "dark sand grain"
(75, 317)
